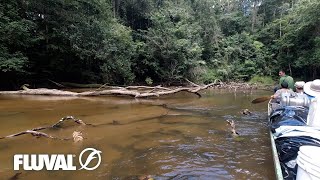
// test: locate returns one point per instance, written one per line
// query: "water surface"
(173, 137)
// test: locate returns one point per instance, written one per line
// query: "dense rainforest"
(156, 41)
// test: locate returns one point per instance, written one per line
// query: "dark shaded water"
(186, 139)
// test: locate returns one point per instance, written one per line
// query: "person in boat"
(312, 88)
(299, 89)
(300, 98)
(284, 91)
(284, 77)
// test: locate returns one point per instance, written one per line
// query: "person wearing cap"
(299, 90)
(299, 87)
(312, 88)
(284, 90)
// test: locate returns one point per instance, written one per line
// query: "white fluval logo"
(90, 157)
(38, 162)
(55, 162)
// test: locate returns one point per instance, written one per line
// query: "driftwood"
(76, 136)
(233, 127)
(133, 91)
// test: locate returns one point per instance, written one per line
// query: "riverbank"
(99, 87)
(243, 86)
(132, 91)
(219, 85)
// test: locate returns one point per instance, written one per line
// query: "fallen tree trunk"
(133, 91)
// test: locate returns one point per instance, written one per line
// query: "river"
(174, 137)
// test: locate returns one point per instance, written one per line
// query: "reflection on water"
(175, 137)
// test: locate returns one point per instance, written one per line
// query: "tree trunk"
(288, 50)
(254, 15)
(290, 69)
(280, 33)
(114, 8)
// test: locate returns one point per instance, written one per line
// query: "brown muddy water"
(186, 139)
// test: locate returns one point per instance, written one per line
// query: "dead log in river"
(133, 91)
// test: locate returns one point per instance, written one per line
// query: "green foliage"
(233, 23)
(292, 38)
(239, 57)
(149, 81)
(15, 37)
(128, 41)
(117, 54)
(12, 62)
(265, 80)
(172, 43)
(209, 76)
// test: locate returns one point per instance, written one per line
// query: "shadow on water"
(175, 137)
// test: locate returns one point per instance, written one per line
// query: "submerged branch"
(233, 127)
(78, 121)
(77, 136)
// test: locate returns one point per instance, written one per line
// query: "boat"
(289, 131)
(276, 161)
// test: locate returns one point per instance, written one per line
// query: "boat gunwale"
(276, 160)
